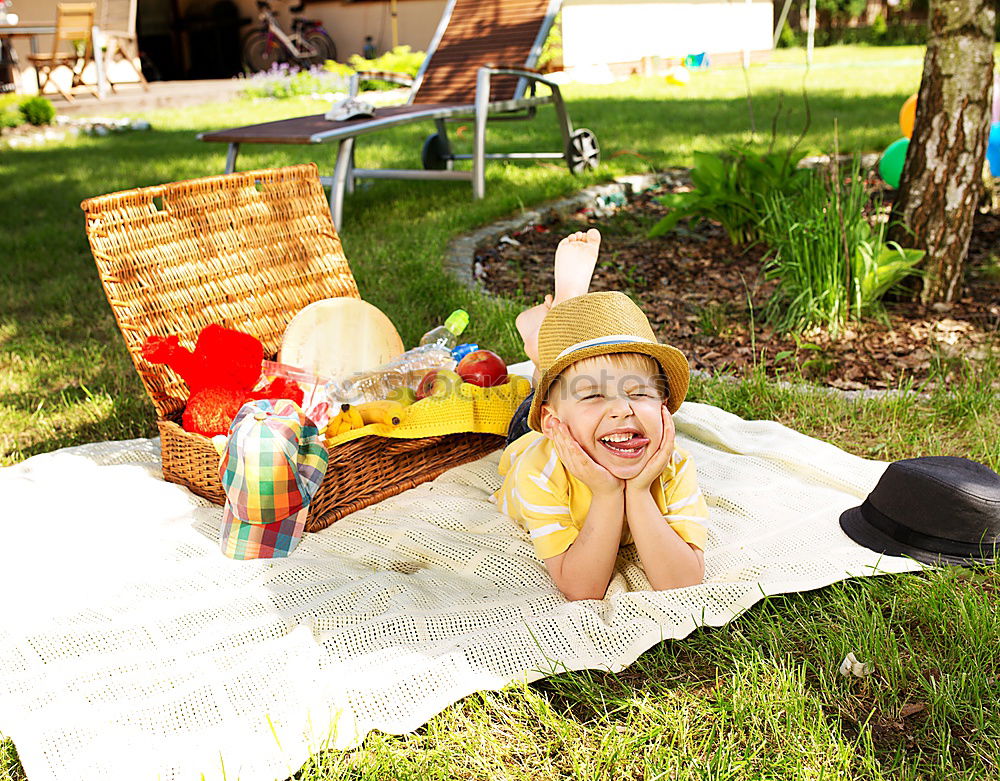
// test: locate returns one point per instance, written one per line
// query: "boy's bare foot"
(574, 264)
(575, 259)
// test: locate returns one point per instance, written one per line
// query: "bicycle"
(308, 43)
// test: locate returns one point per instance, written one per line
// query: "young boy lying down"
(590, 463)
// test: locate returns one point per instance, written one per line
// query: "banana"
(354, 416)
(333, 427)
(387, 412)
(351, 416)
(346, 420)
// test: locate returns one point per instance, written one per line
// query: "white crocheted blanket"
(131, 648)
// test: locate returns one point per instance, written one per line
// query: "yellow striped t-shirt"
(540, 494)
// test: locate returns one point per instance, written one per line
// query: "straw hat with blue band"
(601, 324)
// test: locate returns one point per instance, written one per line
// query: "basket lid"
(245, 250)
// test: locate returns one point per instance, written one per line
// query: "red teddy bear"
(221, 374)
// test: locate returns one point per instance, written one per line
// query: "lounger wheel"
(435, 153)
(583, 151)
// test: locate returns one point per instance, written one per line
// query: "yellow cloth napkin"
(469, 408)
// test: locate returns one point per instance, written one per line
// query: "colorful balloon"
(993, 149)
(890, 165)
(907, 114)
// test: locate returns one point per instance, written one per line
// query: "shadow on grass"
(128, 417)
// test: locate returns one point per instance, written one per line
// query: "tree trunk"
(942, 178)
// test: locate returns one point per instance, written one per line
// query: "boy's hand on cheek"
(660, 457)
(579, 463)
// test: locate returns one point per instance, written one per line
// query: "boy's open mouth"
(625, 443)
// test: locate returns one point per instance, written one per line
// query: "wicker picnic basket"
(247, 251)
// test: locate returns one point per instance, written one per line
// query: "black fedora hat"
(937, 509)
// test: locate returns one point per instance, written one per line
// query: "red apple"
(438, 382)
(482, 368)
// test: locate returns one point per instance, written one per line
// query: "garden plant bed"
(707, 297)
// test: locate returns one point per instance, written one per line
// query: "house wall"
(604, 32)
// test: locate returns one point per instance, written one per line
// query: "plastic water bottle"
(407, 369)
(447, 335)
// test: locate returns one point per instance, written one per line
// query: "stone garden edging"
(458, 258)
(64, 127)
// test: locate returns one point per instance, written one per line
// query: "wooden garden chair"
(74, 30)
(479, 66)
(120, 42)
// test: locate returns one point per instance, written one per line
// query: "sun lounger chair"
(479, 66)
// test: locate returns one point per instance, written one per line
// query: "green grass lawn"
(759, 698)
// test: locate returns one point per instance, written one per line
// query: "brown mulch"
(695, 286)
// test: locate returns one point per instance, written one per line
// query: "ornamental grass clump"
(728, 188)
(16, 110)
(37, 110)
(830, 262)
